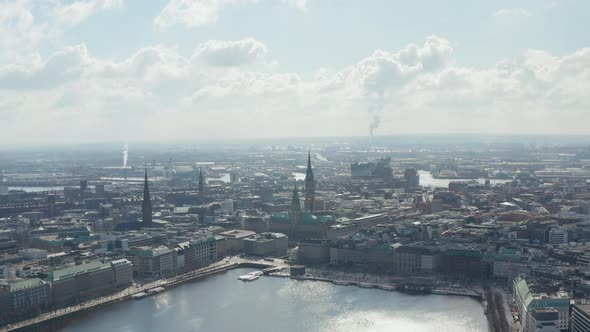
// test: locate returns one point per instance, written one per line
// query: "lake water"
(222, 303)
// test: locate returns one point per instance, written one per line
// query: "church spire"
(146, 207)
(309, 173)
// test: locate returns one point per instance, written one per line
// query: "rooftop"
(237, 234)
(26, 283)
(73, 271)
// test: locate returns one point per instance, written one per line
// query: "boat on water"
(387, 287)
(414, 289)
(139, 296)
(251, 276)
(248, 277)
(155, 290)
(365, 285)
(341, 282)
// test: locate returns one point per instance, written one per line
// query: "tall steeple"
(146, 207)
(201, 182)
(295, 205)
(309, 186)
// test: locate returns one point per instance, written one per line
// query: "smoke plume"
(375, 101)
(374, 111)
(125, 155)
(391, 71)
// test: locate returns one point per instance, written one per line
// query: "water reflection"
(222, 303)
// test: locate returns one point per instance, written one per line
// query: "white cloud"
(63, 66)
(157, 93)
(22, 34)
(191, 13)
(78, 11)
(231, 53)
(299, 4)
(522, 12)
(19, 35)
(194, 13)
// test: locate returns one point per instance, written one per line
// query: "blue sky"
(110, 70)
(345, 31)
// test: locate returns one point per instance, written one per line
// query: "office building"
(544, 320)
(266, 244)
(152, 263)
(526, 301)
(78, 283)
(580, 318)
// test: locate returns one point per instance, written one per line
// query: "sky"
(87, 71)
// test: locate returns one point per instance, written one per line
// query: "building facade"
(82, 282)
(544, 320)
(266, 244)
(526, 301)
(152, 263)
(580, 318)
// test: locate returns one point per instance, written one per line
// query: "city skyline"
(294, 165)
(114, 70)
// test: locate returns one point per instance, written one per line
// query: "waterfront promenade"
(217, 267)
(363, 280)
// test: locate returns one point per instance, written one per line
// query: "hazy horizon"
(408, 141)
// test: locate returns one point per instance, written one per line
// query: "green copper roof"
(73, 271)
(523, 290)
(24, 284)
(281, 217)
(532, 302)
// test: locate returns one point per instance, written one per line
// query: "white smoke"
(375, 101)
(125, 155)
(385, 72)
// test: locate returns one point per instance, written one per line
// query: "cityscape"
(503, 225)
(294, 165)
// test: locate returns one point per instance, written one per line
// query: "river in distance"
(222, 303)
(427, 180)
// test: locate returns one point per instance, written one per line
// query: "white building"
(152, 263)
(123, 272)
(265, 244)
